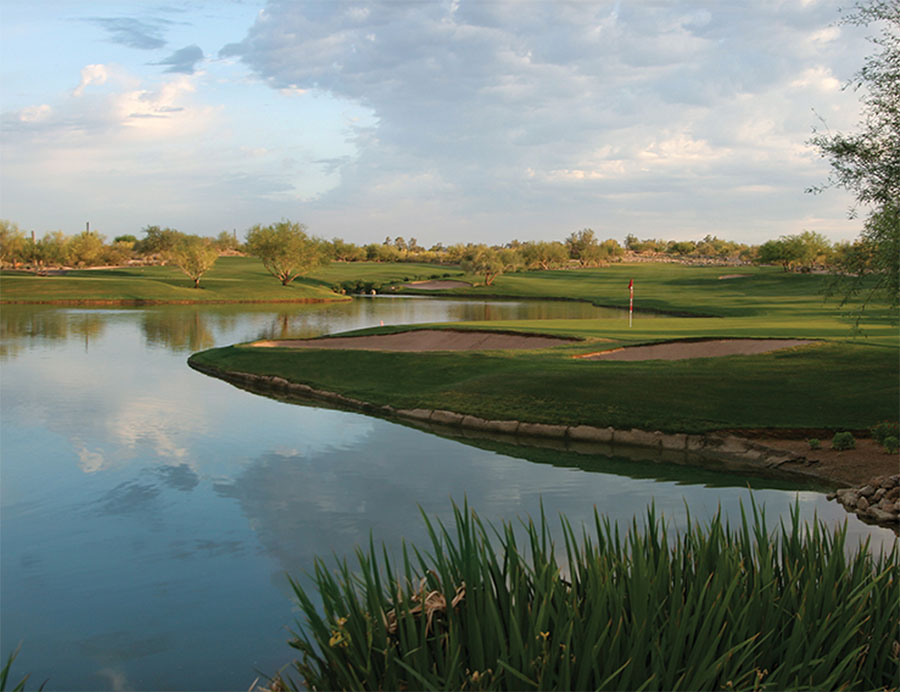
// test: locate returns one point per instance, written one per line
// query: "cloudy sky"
(444, 120)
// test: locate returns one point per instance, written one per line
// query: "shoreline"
(767, 452)
(137, 302)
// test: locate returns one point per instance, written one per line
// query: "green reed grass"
(713, 607)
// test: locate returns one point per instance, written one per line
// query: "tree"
(12, 243)
(285, 249)
(867, 163)
(85, 249)
(194, 256)
(490, 262)
(158, 241)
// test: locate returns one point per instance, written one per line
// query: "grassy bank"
(713, 608)
(232, 279)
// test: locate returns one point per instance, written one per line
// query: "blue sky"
(445, 121)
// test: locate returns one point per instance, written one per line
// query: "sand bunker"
(425, 340)
(683, 350)
(437, 285)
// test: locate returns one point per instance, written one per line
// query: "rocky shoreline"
(877, 502)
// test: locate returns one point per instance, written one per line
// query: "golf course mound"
(684, 350)
(424, 340)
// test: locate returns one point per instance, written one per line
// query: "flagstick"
(630, 301)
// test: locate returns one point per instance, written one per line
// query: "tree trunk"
(196, 282)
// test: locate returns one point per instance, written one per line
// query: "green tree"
(285, 249)
(867, 163)
(12, 243)
(158, 241)
(85, 249)
(194, 256)
(544, 255)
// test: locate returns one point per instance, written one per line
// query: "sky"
(442, 120)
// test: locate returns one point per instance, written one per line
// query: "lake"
(149, 514)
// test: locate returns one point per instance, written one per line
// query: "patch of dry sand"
(733, 276)
(683, 350)
(433, 285)
(425, 340)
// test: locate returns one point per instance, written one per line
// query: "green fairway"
(845, 382)
(232, 279)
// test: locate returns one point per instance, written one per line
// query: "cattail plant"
(710, 608)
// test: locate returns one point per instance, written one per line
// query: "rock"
(446, 417)
(637, 437)
(879, 494)
(831, 496)
(881, 516)
(588, 433)
(415, 413)
(541, 430)
(893, 494)
(867, 491)
(862, 503)
(847, 496)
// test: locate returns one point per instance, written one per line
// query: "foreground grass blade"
(707, 609)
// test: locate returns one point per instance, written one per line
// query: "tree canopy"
(285, 249)
(867, 162)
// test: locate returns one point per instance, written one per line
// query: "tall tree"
(867, 163)
(285, 249)
(194, 256)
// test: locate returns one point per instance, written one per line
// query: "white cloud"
(474, 94)
(91, 74)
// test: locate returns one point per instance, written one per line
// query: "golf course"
(836, 378)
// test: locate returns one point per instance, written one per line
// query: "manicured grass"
(232, 279)
(835, 385)
(764, 292)
(712, 608)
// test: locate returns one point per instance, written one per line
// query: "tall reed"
(713, 607)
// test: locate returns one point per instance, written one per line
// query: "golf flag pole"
(630, 301)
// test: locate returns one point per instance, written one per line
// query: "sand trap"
(425, 340)
(683, 350)
(437, 285)
(733, 276)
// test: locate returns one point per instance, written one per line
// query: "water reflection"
(186, 329)
(21, 326)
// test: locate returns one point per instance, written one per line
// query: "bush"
(814, 443)
(884, 429)
(891, 444)
(712, 608)
(843, 441)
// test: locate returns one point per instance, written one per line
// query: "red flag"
(631, 285)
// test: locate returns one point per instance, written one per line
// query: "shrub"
(891, 444)
(711, 608)
(843, 441)
(884, 429)
(814, 443)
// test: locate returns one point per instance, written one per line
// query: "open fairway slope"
(844, 382)
(232, 279)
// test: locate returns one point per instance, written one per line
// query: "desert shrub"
(814, 443)
(891, 444)
(711, 608)
(884, 429)
(843, 441)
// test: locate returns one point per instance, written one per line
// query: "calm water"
(150, 514)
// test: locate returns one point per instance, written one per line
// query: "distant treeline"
(802, 252)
